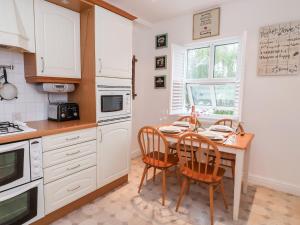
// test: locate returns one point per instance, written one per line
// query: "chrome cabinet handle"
(100, 135)
(74, 167)
(100, 65)
(43, 64)
(73, 189)
(72, 139)
(73, 153)
(35, 142)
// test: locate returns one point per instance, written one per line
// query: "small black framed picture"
(160, 62)
(161, 41)
(160, 81)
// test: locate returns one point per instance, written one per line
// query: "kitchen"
(57, 70)
(79, 89)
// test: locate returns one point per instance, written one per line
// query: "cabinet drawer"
(66, 154)
(69, 189)
(62, 170)
(66, 139)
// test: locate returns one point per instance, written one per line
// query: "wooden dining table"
(240, 146)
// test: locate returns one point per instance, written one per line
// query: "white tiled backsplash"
(31, 104)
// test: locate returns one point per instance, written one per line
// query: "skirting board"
(274, 184)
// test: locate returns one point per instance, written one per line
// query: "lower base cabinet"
(64, 191)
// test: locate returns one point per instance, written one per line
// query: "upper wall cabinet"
(113, 44)
(17, 24)
(57, 32)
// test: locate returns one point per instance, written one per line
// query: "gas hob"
(9, 128)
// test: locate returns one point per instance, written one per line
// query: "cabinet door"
(113, 44)
(113, 152)
(57, 41)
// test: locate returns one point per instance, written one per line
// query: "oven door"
(23, 204)
(113, 103)
(14, 165)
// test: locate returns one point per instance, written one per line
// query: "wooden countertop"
(46, 127)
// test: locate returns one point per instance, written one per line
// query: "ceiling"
(154, 11)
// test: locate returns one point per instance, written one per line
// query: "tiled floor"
(261, 206)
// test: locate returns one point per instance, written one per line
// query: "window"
(207, 76)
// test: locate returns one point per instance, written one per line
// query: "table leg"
(238, 183)
(246, 171)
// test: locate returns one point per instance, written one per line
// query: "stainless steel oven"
(113, 99)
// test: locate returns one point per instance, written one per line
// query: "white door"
(113, 36)
(57, 40)
(113, 152)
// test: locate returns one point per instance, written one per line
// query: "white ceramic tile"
(31, 104)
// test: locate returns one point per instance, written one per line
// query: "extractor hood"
(12, 31)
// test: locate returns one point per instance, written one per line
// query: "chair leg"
(188, 186)
(233, 168)
(178, 174)
(223, 194)
(143, 177)
(154, 173)
(211, 203)
(182, 191)
(164, 186)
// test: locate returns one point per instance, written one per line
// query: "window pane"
(198, 59)
(214, 99)
(225, 95)
(201, 95)
(226, 60)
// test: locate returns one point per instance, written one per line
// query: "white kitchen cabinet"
(113, 152)
(57, 32)
(17, 24)
(66, 190)
(113, 37)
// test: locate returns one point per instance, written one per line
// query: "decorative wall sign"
(161, 41)
(160, 62)
(160, 81)
(279, 49)
(206, 24)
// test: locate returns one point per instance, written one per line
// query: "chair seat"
(225, 156)
(157, 159)
(200, 175)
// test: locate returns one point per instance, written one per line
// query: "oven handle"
(11, 147)
(28, 187)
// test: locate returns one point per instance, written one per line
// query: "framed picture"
(161, 41)
(206, 24)
(160, 62)
(160, 81)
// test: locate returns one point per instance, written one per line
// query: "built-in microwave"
(113, 100)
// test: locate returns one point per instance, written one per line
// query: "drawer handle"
(74, 167)
(73, 189)
(72, 153)
(72, 139)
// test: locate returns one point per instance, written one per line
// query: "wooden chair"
(188, 119)
(200, 169)
(155, 153)
(228, 156)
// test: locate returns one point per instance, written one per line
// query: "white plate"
(170, 129)
(211, 135)
(181, 123)
(220, 128)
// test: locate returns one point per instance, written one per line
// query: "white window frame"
(215, 81)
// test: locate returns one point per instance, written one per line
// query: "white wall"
(30, 105)
(270, 105)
